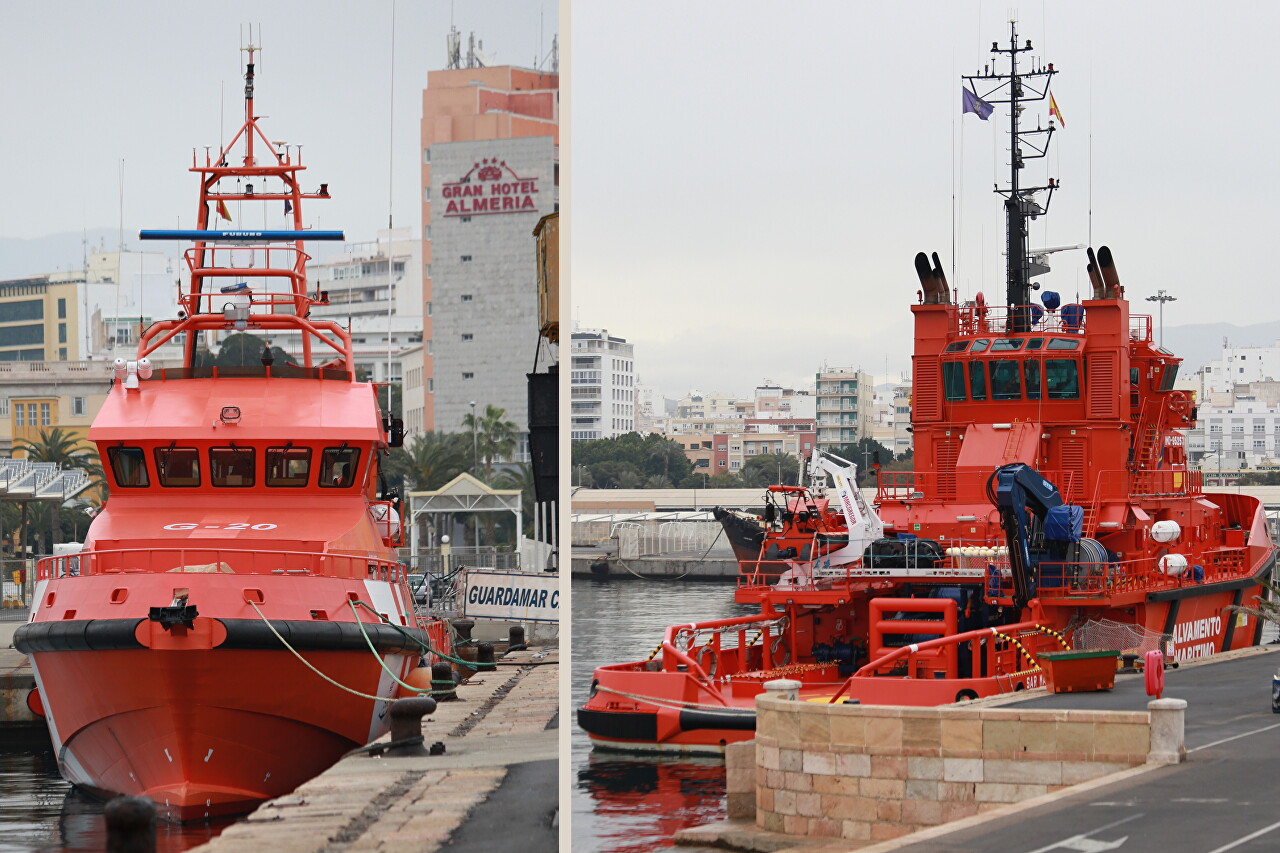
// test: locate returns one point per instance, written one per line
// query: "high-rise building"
(92, 313)
(373, 287)
(603, 383)
(490, 171)
(845, 412)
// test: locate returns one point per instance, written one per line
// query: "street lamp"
(1162, 297)
(475, 455)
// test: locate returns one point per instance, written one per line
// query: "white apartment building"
(375, 290)
(1241, 365)
(603, 383)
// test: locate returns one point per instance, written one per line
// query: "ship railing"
(979, 319)
(1117, 483)
(219, 561)
(700, 649)
(971, 486)
(1060, 580)
(1006, 652)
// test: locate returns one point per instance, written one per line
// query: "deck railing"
(219, 561)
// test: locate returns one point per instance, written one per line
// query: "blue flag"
(288, 208)
(974, 104)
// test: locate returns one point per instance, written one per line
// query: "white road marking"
(1085, 844)
(1236, 737)
(1248, 837)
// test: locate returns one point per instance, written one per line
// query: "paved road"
(1225, 797)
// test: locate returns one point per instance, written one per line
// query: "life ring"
(708, 654)
(780, 651)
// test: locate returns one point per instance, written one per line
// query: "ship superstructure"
(1051, 508)
(238, 618)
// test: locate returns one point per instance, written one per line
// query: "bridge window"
(1004, 380)
(1170, 376)
(178, 466)
(977, 380)
(1035, 343)
(953, 380)
(1063, 343)
(338, 467)
(1062, 378)
(129, 466)
(231, 466)
(1006, 344)
(957, 346)
(980, 346)
(288, 466)
(1031, 378)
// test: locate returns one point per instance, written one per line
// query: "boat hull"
(213, 718)
(205, 733)
(635, 708)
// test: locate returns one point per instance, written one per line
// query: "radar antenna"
(1021, 205)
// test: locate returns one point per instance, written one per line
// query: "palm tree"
(521, 477)
(430, 460)
(494, 437)
(67, 451)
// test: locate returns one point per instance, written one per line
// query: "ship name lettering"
(1200, 629)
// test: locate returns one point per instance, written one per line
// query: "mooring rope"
(308, 664)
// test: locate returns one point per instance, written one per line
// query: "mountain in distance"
(56, 252)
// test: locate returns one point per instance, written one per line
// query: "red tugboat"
(238, 618)
(1052, 509)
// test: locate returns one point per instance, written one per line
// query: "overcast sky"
(88, 84)
(751, 181)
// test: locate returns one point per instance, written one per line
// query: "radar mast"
(1016, 88)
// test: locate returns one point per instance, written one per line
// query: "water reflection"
(624, 803)
(40, 811)
(640, 802)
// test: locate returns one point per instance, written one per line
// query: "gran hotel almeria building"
(490, 171)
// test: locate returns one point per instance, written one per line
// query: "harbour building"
(375, 286)
(603, 383)
(490, 171)
(844, 411)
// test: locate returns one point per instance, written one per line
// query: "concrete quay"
(494, 788)
(715, 567)
(16, 681)
(1221, 796)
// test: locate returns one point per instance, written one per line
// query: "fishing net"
(1106, 635)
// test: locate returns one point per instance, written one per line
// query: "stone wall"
(871, 773)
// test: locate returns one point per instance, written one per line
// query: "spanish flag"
(1053, 111)
(225, 214)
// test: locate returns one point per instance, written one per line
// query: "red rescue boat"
(1051, 508)
(238, 618)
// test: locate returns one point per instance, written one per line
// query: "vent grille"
(926, 403)
(1104, 400)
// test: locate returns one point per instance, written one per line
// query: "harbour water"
(39, 811)
(626, 803)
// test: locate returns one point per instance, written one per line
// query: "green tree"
(429, 460)
(520, 477)
(649, 456)
(865, 454)
(493, 436)
(242, 349)
(771, 468)
(64, 449)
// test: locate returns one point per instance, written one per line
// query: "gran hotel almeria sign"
(491, 186)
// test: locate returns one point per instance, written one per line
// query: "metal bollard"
(463, 627)
(406, 725)
(442, 683)
(484, 657)
(131, 825)
(515, 639)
